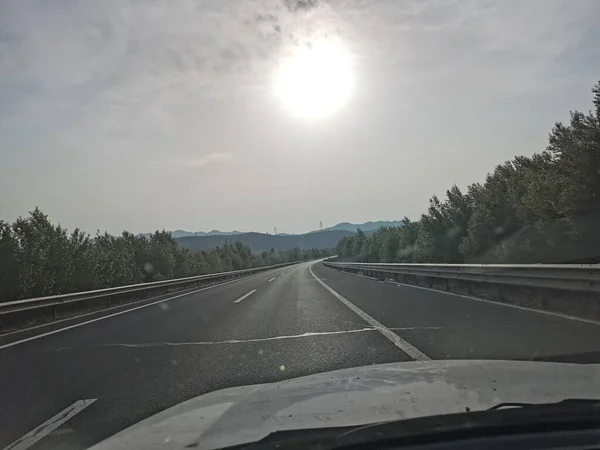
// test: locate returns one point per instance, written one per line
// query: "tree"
(38, 259)
(544, 208)
(9, 264)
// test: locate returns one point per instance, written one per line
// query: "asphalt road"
(276, 325)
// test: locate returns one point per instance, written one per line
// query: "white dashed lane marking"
(49, 425)
(245, 296)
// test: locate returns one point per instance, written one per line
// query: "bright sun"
(315, 80)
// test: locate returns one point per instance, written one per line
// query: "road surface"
(299, 320)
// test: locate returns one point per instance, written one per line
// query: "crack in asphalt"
(229, 341)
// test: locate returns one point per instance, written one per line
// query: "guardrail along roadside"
(22, 314)
(570, 289)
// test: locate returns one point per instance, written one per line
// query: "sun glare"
(315, 80)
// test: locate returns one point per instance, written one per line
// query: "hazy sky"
(149, 114)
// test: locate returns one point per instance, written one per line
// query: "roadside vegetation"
(539, 209)
(38, 259)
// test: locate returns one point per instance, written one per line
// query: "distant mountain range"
(325, 238)
(183, 233)
(259, 242)
(343, 226)
(366, 227)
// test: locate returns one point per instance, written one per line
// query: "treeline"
(38, 259)
(543, 209)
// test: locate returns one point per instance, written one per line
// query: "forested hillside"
(367, 227)
(38, 258)
(259, 242)
(544, 208)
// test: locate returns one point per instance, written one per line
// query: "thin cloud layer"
(96, 95)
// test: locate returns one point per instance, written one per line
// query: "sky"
(143, 115)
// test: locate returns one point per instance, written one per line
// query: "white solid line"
(245, 296)
(37, 336)
(469, 297)
(49, 425)
(468, 327)
(509, 305)
(272, 279)
(403, 345)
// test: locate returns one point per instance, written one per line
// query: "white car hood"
(355, 396)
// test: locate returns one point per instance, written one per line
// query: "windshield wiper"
(503, 419)
(567, 402)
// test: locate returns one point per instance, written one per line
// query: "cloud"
(137, 73)
(495, 48)
(110, 59)
(209, 159)
(194, 162)
(95, 91)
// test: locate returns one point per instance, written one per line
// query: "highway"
(276, 325)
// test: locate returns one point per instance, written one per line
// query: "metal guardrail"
(23, 311)
(569, 277)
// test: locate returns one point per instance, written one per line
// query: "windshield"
(202, 195)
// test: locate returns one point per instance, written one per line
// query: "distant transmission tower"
(275, 230)
(320, 225)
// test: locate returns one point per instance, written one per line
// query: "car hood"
(356, 396)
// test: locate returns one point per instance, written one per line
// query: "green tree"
(540, 209)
